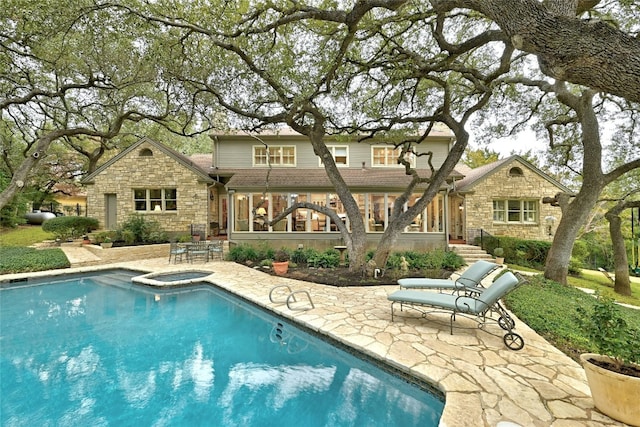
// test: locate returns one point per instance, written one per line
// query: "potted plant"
(281, 262)
(106, 243)
(499, 254)
(613, 374)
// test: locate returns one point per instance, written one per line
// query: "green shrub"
(532, 253)
(139, 229)
(327, 259)
(21, 259)
(70, 227)
(281, 255)
(301, 256)
(243, 253)
(609, 332)
(432, 260)
(575, 267)
(105, 236)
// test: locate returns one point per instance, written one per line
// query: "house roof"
(439, 133)
(196, 167)
(473, 177)
(285, 178)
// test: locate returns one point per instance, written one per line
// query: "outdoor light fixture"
(550, 220)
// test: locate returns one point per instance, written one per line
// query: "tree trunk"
(622, 283)
(573, 217)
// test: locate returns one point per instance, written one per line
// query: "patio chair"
(478, 307)
(216, 250)
(469, 281)
(197, 249)
(176, 251)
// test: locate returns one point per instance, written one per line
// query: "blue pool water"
(99, 351)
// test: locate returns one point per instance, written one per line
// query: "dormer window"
(515, 171)
(145, 152)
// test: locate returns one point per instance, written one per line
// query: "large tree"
(387, 64)
(69, 73)
(370, 70)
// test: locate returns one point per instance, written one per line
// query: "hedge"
(21, 260)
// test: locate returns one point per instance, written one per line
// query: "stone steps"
(471, 253)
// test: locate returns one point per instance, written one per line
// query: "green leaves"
(609, 332)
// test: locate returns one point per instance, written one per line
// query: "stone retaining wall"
(129, 253)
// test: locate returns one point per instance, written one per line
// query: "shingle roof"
(283, 178)
(474, 176)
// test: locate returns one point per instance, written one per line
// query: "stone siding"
(128, 253)
(156, 171)
(501, 185)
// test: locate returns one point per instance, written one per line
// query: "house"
(504, 198)
(151, 179)
(248, 179)
(71, 199)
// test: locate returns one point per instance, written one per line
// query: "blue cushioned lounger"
(470, 279)
(477, 305)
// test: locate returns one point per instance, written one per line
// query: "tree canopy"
(368, 68)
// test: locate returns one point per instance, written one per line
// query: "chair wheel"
(513, 341)
(506, 323)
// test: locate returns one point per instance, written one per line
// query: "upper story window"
(274, 155)
(388, 156)
(340, 154)
(155, 199)
(145, 152)
(521, 211)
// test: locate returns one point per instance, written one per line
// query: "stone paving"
(485, 383)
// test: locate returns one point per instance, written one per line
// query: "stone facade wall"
(156, 171)
(502, 185)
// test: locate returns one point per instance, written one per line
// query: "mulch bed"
(341, 276)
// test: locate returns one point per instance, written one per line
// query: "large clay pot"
(614, 394)
(280, 268)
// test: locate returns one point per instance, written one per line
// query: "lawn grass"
(550, 309)
(17, 257)
(595, 280)
(25, 235)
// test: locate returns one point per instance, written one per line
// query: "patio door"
(111, 211)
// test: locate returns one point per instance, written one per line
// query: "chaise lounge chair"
(479, 307)
(469, 280)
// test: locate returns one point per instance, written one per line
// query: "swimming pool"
(98, 350)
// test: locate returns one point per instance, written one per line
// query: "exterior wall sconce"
(550, 220)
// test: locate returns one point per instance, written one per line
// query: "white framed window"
(387, 156)
(340, 154)
(155, 199)
(520, 211)
(384, 156)
(274, 155)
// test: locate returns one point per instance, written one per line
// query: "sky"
(521, 143)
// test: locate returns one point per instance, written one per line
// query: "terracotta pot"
(614, 394)
(280, 268)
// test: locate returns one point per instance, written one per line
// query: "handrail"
(291, 297)
(277, 287)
